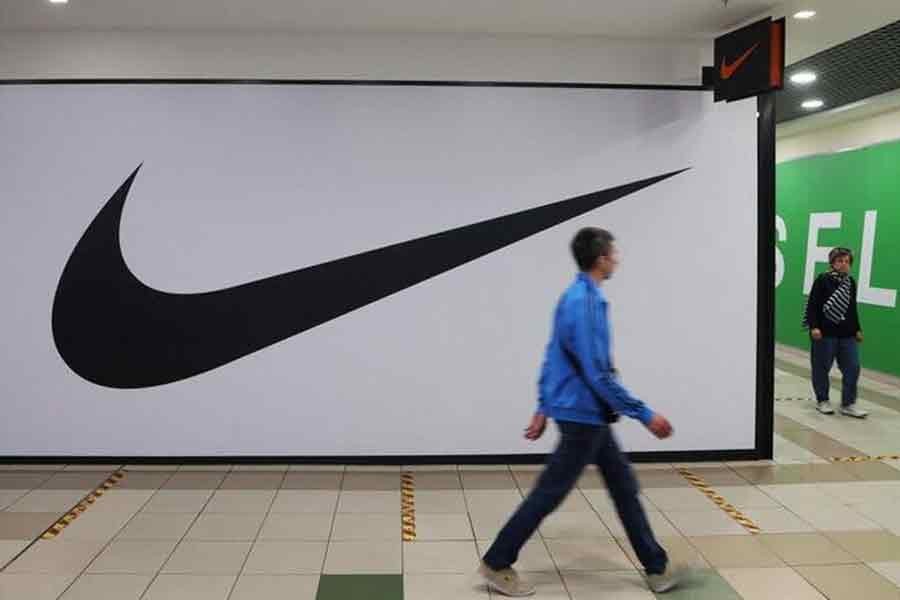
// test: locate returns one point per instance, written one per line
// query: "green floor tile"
(360, 587)
(702, 585)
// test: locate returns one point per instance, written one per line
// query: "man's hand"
(816, 334)
(859, 337)
(536, 428)
(660, 426)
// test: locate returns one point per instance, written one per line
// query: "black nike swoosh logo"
(115, 331)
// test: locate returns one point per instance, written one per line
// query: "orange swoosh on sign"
(726, 71)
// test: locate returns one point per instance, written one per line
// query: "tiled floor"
(828, 529)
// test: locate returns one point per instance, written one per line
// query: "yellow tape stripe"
(856, 459)
(408, 507)
(85, 503)
(699, 483)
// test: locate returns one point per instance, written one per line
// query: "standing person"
(580, 392)
(834, 331)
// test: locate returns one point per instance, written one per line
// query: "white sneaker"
(825, 408)
(852, 411)
(506, 582)
(668, 579)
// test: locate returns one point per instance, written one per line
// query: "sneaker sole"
(855, 416)
(495, 588)
(825, 411)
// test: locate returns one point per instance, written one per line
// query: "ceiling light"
(805, 14)
(812, 104)
(59, 1)
(803, 77)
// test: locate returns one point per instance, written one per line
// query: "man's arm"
(581, 342)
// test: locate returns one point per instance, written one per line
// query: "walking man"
(579, 390)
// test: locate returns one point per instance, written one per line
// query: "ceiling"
(654, 19)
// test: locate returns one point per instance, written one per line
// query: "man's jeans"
(580, 444)
(822, 356)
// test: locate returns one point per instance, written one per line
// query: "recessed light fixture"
(804, 14)
(803, 77)
(812, 104)
(59, 1)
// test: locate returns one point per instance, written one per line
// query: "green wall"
(850, 183)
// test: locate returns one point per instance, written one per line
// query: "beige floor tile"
(602, 502)
(589, 555)
(241, 501)
(157, 526)
(533, 556)
(862, 492)
(313, 480)
(571, 525)
(225, 527)
(660, 525)
(317, 468)
(433, 527)
(869, 546)
(679, 499)
(381, 469)
(890, 570)
(488, 480)
(177, 501)
(437, 480)
(10, 548)
(766, 584)
(56, 557)
(286, 558)
(25, 525)
(305, 501)
(96, 525)
(440, 501)
(430, 468)
(747, 496)
(119, 587)
(487, 524)
(72, 480)
(806, 549)
(207, 558)
(132, 558)
(41, 467)
(8, 497)
(347, 558)
(849, 582)
(840, 518)
(48, 501)
(679, 550)
(624, 585)
(33, 587)
(190, 587)
(276, 587)
(354, 526)
(884, 513)
(440, 557)
(124, 500)
(274, 468)
(705, 523)
(144, 480)
(371, 481)
(219, 468)
(734, 551)
(385, 502)
(493, 500)
(777, 520)
(442, 586)
(302, 527)
(194, 480)
(243, 480)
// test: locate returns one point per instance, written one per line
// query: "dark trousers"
(580, 444)
(824, 352)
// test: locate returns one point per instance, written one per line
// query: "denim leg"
(624, 489)
(848, 363)
(559, 476)
(822, 358)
